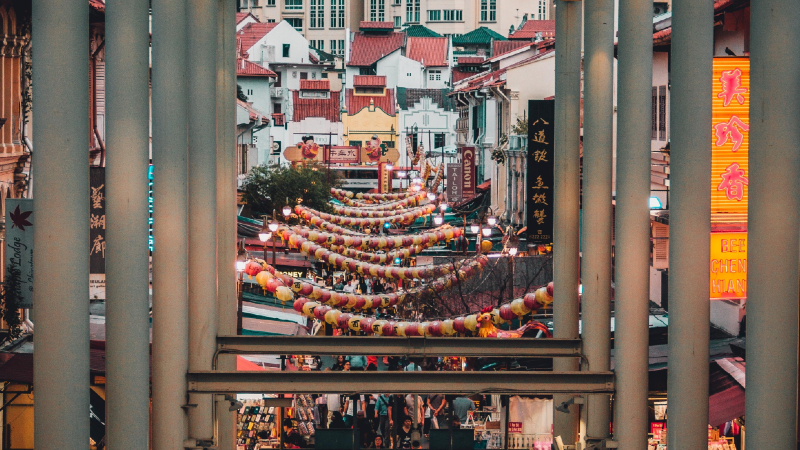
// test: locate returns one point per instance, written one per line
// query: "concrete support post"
(597, 172)
(566, 212)
(202, 77)
(635, 79)
(227, 299)
(127, 257)
(690, 222)
(771, 404)
(170, 224)
(61, 223)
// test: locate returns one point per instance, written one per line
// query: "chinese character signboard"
(384, 178)
(468, 172)
(728, 265)
(19, 246)
(539, 195)
(729, 140)
(515, 427)
(454, 183)
(97, 233)
(342, 155)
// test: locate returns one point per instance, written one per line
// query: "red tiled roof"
(367, 49)
(327, 108)
(471, 60)
(532, 58)
(315, 85)
(240, 16)
(98, 5)
(664, 37)
(531, 27)
(430, 51)
(369, 81)
(245, 68)
(520, 49)
(367, 25)
(487, 79)
(356, 103)
(312, 58)
(500, 47)
(459, 75)
(253, 32)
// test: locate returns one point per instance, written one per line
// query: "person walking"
(462, 406)
(382, 409)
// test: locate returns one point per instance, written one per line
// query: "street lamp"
(475, 228)
(389, 166)
(431, 196)
(287, 211)
(401, 174)
(273, 226)
(512, 251)
(437, 220)
(491, 220)
(241, 261)
(487, 231)
(443, 207)
(264, 235)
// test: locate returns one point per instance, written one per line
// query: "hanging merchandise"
(406, 218)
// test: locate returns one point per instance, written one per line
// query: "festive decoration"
(382, 242)
(369, 213)
(487, 326)
(341, 194)
(486, 246)
(406, 218)
(413, 200)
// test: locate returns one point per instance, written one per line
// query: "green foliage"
(9, 298)
(521, 127)
(267, 187)
(240, 94)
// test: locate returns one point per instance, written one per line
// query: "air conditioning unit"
(268, 53)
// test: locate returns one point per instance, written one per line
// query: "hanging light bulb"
(401, 174)
(431, 196)
(264, 235)
(512, 251)
(437, 220)
(475, 228)
(273, 226)
(487, 231)
(492, 220)
(287, 211)
(389, 167)
(443, 207)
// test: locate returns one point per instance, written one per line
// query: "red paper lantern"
(530, 301)
(366, 325)
(252, 268)
(550, 289)
(388, 328)
(506, 313)
(458, 325)
(298, 304)
(306, 288)
(343, 320)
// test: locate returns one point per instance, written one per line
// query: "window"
(319, 44)
(438, 140)
(434, 15)
(294, 4)
(654, 115)
(371, 70)
(286, 49)
(435, 75)
(249, 92)
(341, 46)
(324, 75)
(662, 113)
(542, 9)
(397, 21)
(412, 10)
(296, 23)
(276, 108)
(453, 15)
(337, 47)
(303, 75)
(314, 94)
(317, 14)
(488, 10)
(270, 3)
(271, 20)
(278, 81)
(337, 13)
(376, 10)
(369, 90)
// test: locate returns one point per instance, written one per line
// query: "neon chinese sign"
(730, 140)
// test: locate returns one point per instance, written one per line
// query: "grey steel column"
(170, 225)
(772, 226)
(227, 299)
(597, 169)
(566, 213)
(635, 79)
(61, 223)
(690, 222)
(127, 260)
(202, 77)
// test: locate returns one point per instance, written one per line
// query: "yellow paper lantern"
(486, 246)
(332, 316)
(542, 298)
(496, 319)
(308, 308)
(447, 327)
(400, 328)
(377, 327)
(424, 329)
(355, 323)
(518, 307)
(262, 278)
(283, 293)
(471, 322)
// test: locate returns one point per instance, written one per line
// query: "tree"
(267, 187)
(240, 94)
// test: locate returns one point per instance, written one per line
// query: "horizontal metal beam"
(399, 346)
(529, 383)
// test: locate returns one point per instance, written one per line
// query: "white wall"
(260, 98)
(270, 48)
(318, 127)
(442, 83)
(534, 81)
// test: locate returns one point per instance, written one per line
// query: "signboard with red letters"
(468, 172)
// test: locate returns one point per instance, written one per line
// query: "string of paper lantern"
(370, 213)
(285, 287)
(465, 324)
(352, 265)
(380, 197)
(432, 237)
(438, 179)
(383, 206)
(408, 217)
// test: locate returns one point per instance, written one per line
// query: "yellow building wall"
(18, 417)
(370, 121)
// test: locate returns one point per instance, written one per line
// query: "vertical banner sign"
(539, 192)
(97, 233)
(730, 139)
(454, 183)
(728, 265)
(384, 178)
(468, 172)
(19, 246)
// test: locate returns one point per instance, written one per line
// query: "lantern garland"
(406, 218)
(396, 204)
(341, 193)
(352, 265)
(532, 301)
(369, 213)
(284, 287)
(438, 179)
(381, 242)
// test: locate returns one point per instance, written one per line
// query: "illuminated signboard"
(728, 265)
(730, 138)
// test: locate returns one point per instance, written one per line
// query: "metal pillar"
(566, 213)
(597, 172)
(61, 223)
(635, 79)
(773, 222)
(690, 222)
(127, 261)
(227, 299)
(170, 221)
(202, 77)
